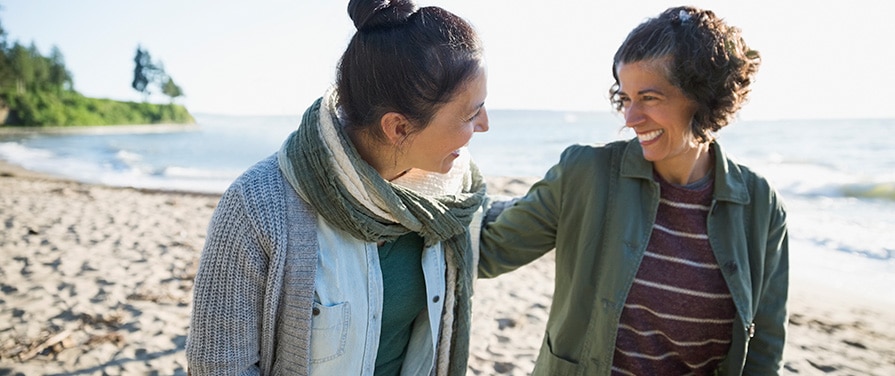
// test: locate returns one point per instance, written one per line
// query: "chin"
(445, 168)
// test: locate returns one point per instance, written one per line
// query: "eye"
(475, 115)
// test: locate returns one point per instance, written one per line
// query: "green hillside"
(38, 90)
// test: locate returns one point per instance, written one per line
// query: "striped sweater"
(679, 313)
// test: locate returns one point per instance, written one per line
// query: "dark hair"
(403, 59)
(704, 57)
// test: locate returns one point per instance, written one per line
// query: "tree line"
(38, 90)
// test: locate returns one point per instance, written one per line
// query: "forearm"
(765, 355)
(228, 296)
(523, 231)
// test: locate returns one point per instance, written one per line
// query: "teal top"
(404, 297)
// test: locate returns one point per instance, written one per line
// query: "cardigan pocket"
(329, 331)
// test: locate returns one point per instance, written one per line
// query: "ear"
(395, 127)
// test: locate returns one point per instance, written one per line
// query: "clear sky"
(821, 59)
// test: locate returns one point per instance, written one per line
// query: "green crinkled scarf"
(311, 165)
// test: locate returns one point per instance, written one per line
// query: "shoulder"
(265, 195)
(262, 177)
(589, 151)
(760, 190)
(755, 181)
(587, 158)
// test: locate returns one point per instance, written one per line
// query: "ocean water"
(837, 177)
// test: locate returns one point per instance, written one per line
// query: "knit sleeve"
(225, 323)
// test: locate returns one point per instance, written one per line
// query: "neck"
(687, 168)
(383, 159)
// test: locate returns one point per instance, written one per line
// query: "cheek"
(680, 122)
(468, 132)
(467, 136)
(455, 140)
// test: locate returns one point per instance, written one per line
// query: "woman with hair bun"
(671, 258)
(348, 252)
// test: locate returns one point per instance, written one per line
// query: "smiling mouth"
(649, 136)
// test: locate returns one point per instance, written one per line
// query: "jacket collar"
(730, 184)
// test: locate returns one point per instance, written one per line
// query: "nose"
(482, 124)
(633, 115)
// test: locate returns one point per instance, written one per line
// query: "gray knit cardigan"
(254, 289)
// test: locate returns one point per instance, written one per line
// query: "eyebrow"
(650, 91)
(476, 108)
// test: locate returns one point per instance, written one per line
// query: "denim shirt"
(348, 307)
(596, 208)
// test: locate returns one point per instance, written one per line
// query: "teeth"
(649, 136)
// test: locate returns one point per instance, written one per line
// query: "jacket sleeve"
(765, 353)
(228, 293)
(524, 230)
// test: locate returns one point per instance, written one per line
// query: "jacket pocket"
(551, 364)
(329, 331)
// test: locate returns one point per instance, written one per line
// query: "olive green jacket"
(597, 208)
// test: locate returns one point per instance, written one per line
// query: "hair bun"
(368, 14)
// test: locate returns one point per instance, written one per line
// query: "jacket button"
(315, 311)
(435, 299)
(731, 267)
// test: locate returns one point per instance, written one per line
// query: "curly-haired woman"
(671, 258)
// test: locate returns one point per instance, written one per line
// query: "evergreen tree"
(21, 67)
(40, 71)
(148, 74)
(171, 89)
(6, 76)
(143, 72)
(59, 76)
(2, 36)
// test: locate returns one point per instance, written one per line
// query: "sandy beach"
(97, 281)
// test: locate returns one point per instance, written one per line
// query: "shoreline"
(99, 129)
(11, 170)
(98, 279)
